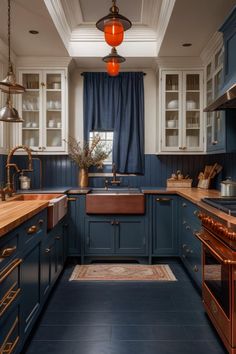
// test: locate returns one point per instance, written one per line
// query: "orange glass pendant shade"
(114, 33)
(113, 68)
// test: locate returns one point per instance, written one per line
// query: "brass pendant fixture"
(113, 25)
(113, 61)
(9, 84)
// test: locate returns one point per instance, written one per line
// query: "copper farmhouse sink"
(36, 196)
(115, 201)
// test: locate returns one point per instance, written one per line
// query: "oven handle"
(216, 253)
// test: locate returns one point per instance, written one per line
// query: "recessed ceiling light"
(186, 44)
(33, 32)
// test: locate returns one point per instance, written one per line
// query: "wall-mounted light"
(113, 61)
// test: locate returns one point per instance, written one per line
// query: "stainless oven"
(219, 277)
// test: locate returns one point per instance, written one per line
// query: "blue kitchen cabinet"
(33, 232)
(75, 222)
(164, 220)
(115, 235)
(99, 235)
(190, 246)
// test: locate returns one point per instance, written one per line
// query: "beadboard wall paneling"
(61, 171)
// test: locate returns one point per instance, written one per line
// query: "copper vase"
(83, 177)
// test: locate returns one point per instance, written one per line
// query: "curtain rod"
(82, 74)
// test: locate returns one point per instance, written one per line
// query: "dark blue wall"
(61, 171)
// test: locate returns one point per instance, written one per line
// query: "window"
(107, 139)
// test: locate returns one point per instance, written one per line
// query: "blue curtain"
(117, 104)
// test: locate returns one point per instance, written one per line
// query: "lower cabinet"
(165, 235)
(75, 221)
(115, 235)
(190, 246)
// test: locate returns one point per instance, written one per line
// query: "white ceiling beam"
(167, 7)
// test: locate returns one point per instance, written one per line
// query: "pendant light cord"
(9, 33)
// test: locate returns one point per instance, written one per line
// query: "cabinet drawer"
(9, 246)
(10, 333)
(9, 285)
(34, 228)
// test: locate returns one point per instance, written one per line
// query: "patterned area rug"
(122, 272)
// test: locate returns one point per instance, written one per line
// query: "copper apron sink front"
(115, 203)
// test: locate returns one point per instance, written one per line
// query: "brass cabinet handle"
(42, 84)
(8, 270)
(196, 212)
(41, 221)
(163, 199)
(57, 237)
(71, 199)
(32, 230)
(187, 227)
(9, 346)
(184, 205)
(7, 252)
(195, 268)
(113, 222)
(117, 223)
(8, 298)
(47, 250)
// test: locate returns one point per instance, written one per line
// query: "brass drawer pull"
(117, 223)
(163, 199)
(71, 199)
(8, 270)
(7, 346)
(195, 268)
(113, 222)
(8, 298)
(57, 237)
(7, 252)
(41, 221)
(47, 250)
(32, 230)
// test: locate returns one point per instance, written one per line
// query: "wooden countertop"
(195, 196)
(14, 213)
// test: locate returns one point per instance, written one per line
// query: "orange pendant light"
(113, 61)
(113, 25)
(114, 33)
(113, 68)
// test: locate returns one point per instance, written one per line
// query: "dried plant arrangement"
(88, 154)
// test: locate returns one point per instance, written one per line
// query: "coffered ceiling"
(67, 28)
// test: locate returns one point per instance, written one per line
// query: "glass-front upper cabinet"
(215, 127)
(43, 107)
(181, 111)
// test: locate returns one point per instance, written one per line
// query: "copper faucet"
(9, 187)
(114, 180)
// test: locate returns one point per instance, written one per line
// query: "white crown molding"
(57, 14)
(73, 13)
(137, 33)
(215, 42)
(39, 62)
(164, 18)
(179, 62)
(151, 12)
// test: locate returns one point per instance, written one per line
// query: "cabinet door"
(46, 265)
(58, 237)
(44, 109)
(30, 279)
(31, 109)
(171, 110)
(130, 235)
(99, 235)
(75, 224)
(192, 111)
(54, 127)
(165, 236)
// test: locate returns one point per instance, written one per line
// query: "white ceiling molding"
(215, 42)
(57, 14)
(179, 62)
(38, 62)
(164, 18)
(151, 12)
(73, 13)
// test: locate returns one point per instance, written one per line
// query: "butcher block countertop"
(13, 213)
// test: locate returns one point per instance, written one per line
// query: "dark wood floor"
(125, 318)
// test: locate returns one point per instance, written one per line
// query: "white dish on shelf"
(171, 123)
(173, 104)
(190, 104)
